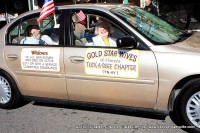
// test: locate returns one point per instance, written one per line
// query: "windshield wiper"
(195, 30)
(183, 36)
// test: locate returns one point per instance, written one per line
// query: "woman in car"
(33, 36)
(103, 38)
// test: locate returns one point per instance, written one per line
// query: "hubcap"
(193, 109)
(5, 91)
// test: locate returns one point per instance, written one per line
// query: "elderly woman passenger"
(103, 38)
(33, 36)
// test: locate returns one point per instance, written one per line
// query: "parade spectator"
(131, 2)
(150, 7)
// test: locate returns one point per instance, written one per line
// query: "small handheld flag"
(80, 15)
(47, 9)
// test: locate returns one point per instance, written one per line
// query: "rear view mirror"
(126, 42)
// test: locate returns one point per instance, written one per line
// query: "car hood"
(189, 46)
(191, 42)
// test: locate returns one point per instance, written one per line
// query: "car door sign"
(112, 63)
(40, 59)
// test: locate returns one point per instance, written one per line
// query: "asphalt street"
(48, 118)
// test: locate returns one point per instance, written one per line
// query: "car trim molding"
(110, 79)
(81, 77)
(41, 74)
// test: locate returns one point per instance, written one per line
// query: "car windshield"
(154, 28)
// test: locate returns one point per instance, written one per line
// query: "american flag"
(47, 9)
(81, 16)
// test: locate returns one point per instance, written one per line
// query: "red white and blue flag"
(81, 16)
(47, 9)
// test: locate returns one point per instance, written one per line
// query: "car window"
(89, 30)
(154, 28)
(22, 32)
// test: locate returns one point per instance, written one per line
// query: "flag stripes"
(47, 9)
(81, 16)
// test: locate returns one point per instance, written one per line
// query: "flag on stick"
(47, 9)
(80, 15)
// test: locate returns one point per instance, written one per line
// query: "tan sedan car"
(154, 66)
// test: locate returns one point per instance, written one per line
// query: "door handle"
(12, 57)
(76, 59)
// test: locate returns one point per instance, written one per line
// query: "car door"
(38, 69)
(109, 75)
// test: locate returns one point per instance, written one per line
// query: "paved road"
(39, 118)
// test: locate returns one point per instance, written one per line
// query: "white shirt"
(98, 41)
(48, 40)
(45, 40)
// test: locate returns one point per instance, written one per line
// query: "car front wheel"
(188, 107)
(9, 94)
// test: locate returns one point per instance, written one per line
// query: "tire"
(174, 118)
(187, 107)
(9, 93)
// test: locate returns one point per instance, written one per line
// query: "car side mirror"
(126, 42)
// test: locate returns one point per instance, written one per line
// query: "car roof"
(104, 7)
(96, 6)
(77, 6)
